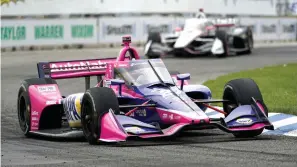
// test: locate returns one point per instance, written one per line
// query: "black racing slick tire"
(250, 41)
(239, 92)
(95, 103)
(155, 37)
(24, 104)
(222, 35)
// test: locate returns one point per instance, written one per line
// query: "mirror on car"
(116, 82)
(185, 76)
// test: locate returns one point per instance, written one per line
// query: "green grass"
(278, 85)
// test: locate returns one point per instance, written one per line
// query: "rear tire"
(24, 104)
(250, 42)
(95, 103)
(154, 37)
(239, 92)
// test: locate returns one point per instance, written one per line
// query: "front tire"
(239, 92)
(95, 103)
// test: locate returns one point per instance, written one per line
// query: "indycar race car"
(134, 99)
(202, 36)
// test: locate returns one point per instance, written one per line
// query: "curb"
(115, 45)
(284, 124)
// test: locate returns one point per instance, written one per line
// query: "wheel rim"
(87, 119)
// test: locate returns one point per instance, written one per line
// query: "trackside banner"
(48, 32)
(109, 30)
(112, 29)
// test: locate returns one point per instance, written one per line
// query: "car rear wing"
(74, 69)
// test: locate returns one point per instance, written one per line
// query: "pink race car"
(134, 98)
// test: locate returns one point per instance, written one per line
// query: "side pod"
(42, 97)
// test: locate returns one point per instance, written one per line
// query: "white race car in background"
(202, 36)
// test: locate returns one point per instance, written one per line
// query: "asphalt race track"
(198, 148)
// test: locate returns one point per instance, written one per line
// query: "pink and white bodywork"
(155, 110)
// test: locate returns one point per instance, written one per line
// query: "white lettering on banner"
(86, 31)
(289, 28)
(73, 66)
(112, 29)
(122, 30)
(48, 32)
(34, 119)
(163, 28)
(46, 89)
(268, 28)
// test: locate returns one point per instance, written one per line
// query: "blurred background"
(41, 23)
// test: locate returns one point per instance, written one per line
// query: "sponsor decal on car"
(134, 129)
(76, 66)
(43, 89)
(177, 117)
(171, 116)
(244, 120)
(35, 113)
(141, 112)
(50, 102)
(34, 124)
